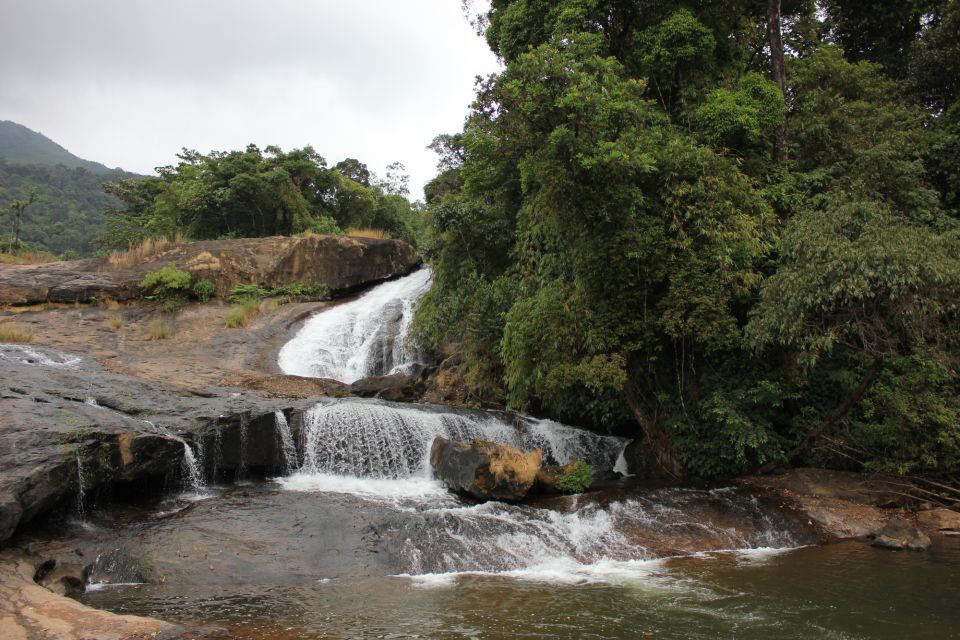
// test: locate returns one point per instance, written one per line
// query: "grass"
(14, 332)
(160, 330)
(242, 313)
(368, 233)
(27, 257)
(148, 249)
(115, 322)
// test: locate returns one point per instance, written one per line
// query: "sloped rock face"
(341, 263)
(485, 470)
(67, 425)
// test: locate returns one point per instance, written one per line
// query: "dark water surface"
(270, 563)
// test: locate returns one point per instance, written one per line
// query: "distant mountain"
(24, 146)
(68, 219)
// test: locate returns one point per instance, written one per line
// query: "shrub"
(14, 332)
(578, 479)
(203, 290)
(115, 321)
(324, 225)
(245, 292)
(167, 286)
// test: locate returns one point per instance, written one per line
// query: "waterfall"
(81, 494)
(192, 471)
(286, 441)
(360, 338)
(367, 439)
(242, 465)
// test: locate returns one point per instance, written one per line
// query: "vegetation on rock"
(577, 478)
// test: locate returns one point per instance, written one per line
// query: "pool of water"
(301, 560)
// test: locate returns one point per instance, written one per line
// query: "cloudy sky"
(129, 82)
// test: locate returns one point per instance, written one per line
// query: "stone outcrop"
(939, 519)
(900, 535)
(342, 263)
(485, 470)
(68, 426)
(27, 610)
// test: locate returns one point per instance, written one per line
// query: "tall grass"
(147, 250)
(27, 257)
(380, 234)
(241, 314)
(14, 332)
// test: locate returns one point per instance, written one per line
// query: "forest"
(251, 193)
(727, 226)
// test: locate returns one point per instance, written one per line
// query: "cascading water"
(363, 337)
(286, 441)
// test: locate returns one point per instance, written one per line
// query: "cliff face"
(339, 262)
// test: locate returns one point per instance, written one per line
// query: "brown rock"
(486, 470)
(341, 263)
(548, 476)
(898, 534)
(939, 519)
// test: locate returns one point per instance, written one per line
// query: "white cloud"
(129, 82)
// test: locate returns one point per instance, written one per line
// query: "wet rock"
(939, 519)
(341, 263)
(63, 578)
(54, 443)
(397, 387)
(548, 475)
(898, 534)
(485, 470)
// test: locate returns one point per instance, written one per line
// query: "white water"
(23, 354)
(286, 441)
(360, 338)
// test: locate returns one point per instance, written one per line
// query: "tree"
(16, 209)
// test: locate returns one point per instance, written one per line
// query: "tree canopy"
(639, 231)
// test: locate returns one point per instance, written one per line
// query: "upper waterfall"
(360, 338)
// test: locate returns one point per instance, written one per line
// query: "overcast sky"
(129, 82)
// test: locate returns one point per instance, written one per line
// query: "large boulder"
(485, 470)
(898, 534)
(343, 264)
(940, 519)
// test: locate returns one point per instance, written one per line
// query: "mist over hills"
(26, 146)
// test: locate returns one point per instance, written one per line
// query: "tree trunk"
(659, 458)
(779, 76)
(831, 420)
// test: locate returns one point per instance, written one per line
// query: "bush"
(324, 225)
(245, 292)
(115, 322)
(578, 479)
(203, 290)
(167, 286)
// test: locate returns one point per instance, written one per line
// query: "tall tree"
(16, 209)
(778, 73)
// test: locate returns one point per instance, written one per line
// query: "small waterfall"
(286, 441)
(81, 494)
(380, 440)
(242, 465)
(192, 471)
(363, 337)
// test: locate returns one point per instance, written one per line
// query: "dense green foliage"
(67, 217)
(169, 286)
(576, 480)
(254, 193)
(615, 241)
(245, 292)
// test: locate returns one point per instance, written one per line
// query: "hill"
(21, 145)
(68, 217)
